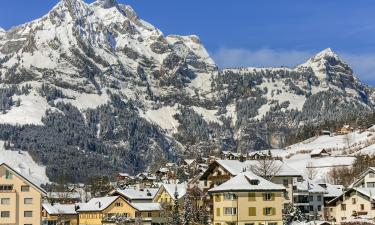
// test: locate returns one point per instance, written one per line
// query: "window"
(217, 198)
(319, 198)
(230, 211)
(286, 182)
(118, 204)
(6, 187)
(362, 207)
(268, 196)
(8, 175)
(343, 218)
(249, 224)
(319, 208)
(251, 196)
(27, 201)
(311, 208)
(354, 201)
(370, 184)
(28, 213)
(5, 214)
(372, 206)
(343, 207)
(268, 211)
(218, 212)
(230, 196)
(149, 214)
(5, 201)
(252, 211)
(272, 223)
(25, 188)
(371, 175)
(311, 198)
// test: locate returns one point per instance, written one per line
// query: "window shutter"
(264, 211)
(218, 212)
(252, 211)
(217, 198)
(264, 196)
(251, 196)
(273, 196)
(273, 211)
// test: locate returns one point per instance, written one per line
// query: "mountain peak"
(326, 53)
(106, 3)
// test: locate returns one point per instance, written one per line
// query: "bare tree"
(266, 168)
(311, 172)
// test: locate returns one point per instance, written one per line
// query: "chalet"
(228, 155)
(60, 214)
(146, 180)
(125, 178)
(319, 153)
(257, 155)
(346, 129)
(189, 163)
(167, 193)
(366, 179)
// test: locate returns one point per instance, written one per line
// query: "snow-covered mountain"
(97, 89)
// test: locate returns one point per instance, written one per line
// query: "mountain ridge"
(98, 89)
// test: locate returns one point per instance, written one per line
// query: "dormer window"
(254, 182)
(371, 174)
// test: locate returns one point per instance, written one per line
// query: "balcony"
(8, 191)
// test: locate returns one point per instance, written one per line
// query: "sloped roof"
(147, 206)
(98, 204)
(56, 209)
(134, 194)
(171, 189)
(26, 178)
(70, 195)
(189, 161)
(242, 182)
(235, 167)
(310, 187)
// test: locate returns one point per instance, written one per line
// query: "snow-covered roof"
(247, 181)
(147, 206)
(317, 151)
(362, 175)
(171, 189)
(57, 209)
(231, 153)
(235, 167)
(28, 179)
(163, 170)
(125, 175)
(170, 164)
(98, 204)
(333, 190)
(309, 186)
(136, 194)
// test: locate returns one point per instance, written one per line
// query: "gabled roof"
(189, 161)
(172, 188)
(134, 194)
(368, 192)
(27, 179)
(98, 204)
(318, 151)
(57, 209)
(247, 181)
(309, 186)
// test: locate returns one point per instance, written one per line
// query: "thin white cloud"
(362, 64)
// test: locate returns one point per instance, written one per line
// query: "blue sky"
(252, 33)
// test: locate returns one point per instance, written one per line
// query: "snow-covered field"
(23, 163)
(298, 155)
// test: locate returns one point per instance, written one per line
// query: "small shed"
(319, 153)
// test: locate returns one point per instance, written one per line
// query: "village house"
(319, 153)
(222, 170)
(166, 193)
(366, 179)
(56, 214)
(247, 199)
(146, 180)
(20, 198)
(309, 198)
(65, 197)
(113, 209)
(189, 164)
(228, 155)
(125, 178)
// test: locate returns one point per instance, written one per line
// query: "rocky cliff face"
(99, 90)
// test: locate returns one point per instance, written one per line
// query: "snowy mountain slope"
(96, 85)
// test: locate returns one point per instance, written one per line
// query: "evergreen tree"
(176, 213)
(188, 209)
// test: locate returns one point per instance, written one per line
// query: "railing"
(8, 191)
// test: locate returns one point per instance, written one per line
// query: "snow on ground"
(208, 115)
(164, 117)
(24, 164)
(86, 101)
(31, 110)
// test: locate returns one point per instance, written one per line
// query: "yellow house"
(357, 202)
(166, 193)
(247, 199)
(59, 214)
(109, 210)
(20, 198)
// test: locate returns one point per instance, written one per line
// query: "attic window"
(371, 175)
(8, 175)
(254, 182)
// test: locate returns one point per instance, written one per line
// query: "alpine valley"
(93, 88)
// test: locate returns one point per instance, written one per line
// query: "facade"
(56, 214)
(309, 198)
(166, 193)
(111, 210)
(20, 199)
(352, 204)
(247, 199)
